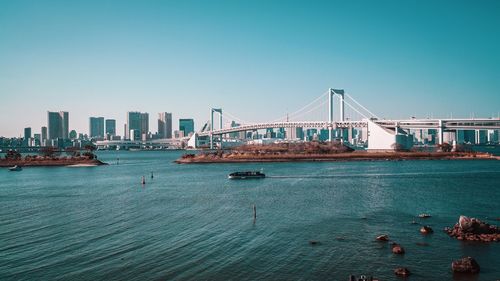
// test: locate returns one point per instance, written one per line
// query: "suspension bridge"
(381, 134)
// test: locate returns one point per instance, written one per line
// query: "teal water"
(190, 222)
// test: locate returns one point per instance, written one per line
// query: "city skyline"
(185, 58)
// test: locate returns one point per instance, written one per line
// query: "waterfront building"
(311, 134)
(178, 134)
(37, 139)
(466, 136)
(323, 135)
(44, 133)
(165, 125)
(135, 135)
(281, 134)
(296, 133)
(111, 127)
(137, 121)
(481, 136)
(58, 125)
(493, 137)
(235, 134)
(96, 127)
(449, 137)
(186, 126)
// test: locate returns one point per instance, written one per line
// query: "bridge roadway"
(140, 143)
(445, 124)
(302, 124)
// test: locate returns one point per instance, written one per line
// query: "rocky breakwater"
(472, 229)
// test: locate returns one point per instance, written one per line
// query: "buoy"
(143, 180)
(152, 175)
(254, 212)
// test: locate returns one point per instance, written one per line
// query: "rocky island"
(472, 229)
(316, 151)
(52, 157)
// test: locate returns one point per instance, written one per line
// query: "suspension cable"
(361, 106)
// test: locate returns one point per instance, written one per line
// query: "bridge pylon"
(331, 94)
(216, 110)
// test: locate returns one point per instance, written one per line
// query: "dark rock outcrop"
(397, 249)
(426, 229)
(382, 237)
(465, 265)
(402, 271)
(471, 229)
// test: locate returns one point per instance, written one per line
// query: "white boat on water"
(81, 165)
(16, 168)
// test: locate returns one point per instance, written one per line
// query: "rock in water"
(397, 249)
(402, 271)
(426, 229)
(465, 265)
(471, 229)
(383, 237)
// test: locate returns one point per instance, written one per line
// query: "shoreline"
(50, 163)
(340, 157)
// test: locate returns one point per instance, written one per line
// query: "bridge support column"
(330, 113)
(440, 131)
(331, 93)
(212, 127)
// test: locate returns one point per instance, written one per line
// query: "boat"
(424, 216)
(81, 165)
(16, 168)
(247, 175)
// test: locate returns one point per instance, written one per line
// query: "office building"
(481, 136)
(58, 125)
(44, 133)
(111, 127)
(186, 126)
(165, 125)
(137, 121)
(178, 134)
(96, 127)
(27, 133)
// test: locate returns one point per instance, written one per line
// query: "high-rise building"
(27, 133)
(165, 125)
(111, 127)
(96, 127)
(144, 125)
(186, 126)
(137, 121)
(58, 124)
(44, 133)
(481, 136)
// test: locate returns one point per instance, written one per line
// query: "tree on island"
(444, 147)
(90, 148)
(72, 151)
(48, 151)
(464, 148)
(12, 155)
(397, 147)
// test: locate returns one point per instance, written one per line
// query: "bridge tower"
(331, 94)
(212, 127)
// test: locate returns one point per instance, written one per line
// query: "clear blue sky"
(256, 59)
